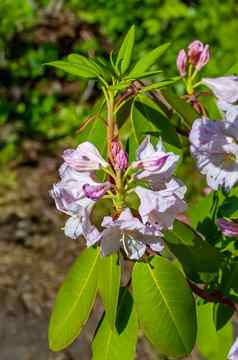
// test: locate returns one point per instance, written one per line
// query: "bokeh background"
(40, 113)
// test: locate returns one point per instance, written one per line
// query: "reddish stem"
(215, 296)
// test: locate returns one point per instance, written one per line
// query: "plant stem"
(215, 296)
(110, 123)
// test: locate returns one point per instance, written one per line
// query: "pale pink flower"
(228, 228)
(214, 147)
(129, 233)
(85, 158)
(182, 62)
(225, 87)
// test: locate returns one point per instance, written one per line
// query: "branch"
(215, 296)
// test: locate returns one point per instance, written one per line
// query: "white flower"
(214, 146)
(129, 233)
(224, 88)
(71, 198)
(154, 163)
(85, 158)
(160, 208)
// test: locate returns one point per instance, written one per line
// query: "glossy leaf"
(165, 306)
(233, 70)
(123, 59)
(180, 106)
(109, 284)
(89, 63)
(212, 344)
(119, 344)
(159, 85)
(74, 300)
(74, 69)
(143, 75)
(203, 216)
(191, 249)
(148, 60)
(221, 315)
(147, 118)
(229, 207)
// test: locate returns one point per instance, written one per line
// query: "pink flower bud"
(119, 156)
(204, 58)
(195, 49)
(182, 62)
(95, 192)
(121, 160)
(198, 54)
(228, 228)
(115, 148)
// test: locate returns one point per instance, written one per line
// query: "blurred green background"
(38, 103)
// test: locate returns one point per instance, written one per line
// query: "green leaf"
(184, 109)
(147, 118)
(221, 315)
(165, 306)
(123, 59)
(229, 207)
(143, 75)
(203, 215)
(88, 63)
(212, 344)
(233, 70)
(193, 251)
(109, 285)
(120, 344)
(74, 69)
(148, 60)
(159, 85)
(74, 300)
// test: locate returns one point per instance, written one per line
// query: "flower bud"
(228, 228)
(121, 160)
(119, 156)
(115, 148)
(195, 49)
(204, 58)
(182, 62)
(95, 192)
(198, 54)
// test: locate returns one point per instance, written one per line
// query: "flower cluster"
(214, 144)
(150, 177)
(197, 55)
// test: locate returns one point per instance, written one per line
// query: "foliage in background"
(36, 102)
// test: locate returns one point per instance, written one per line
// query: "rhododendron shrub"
(122, 196)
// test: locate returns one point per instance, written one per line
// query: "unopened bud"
(195, 49)
(95, 192)
(120, 157)
(228, 228)
(182, 62)
(121, 160)
(198, 54)
(115, 148)
(204, 58)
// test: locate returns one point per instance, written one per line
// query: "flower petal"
(85, 158)
(73, 227)
(110, 241)
(233, 353)
(135, 248)
(224, 87)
